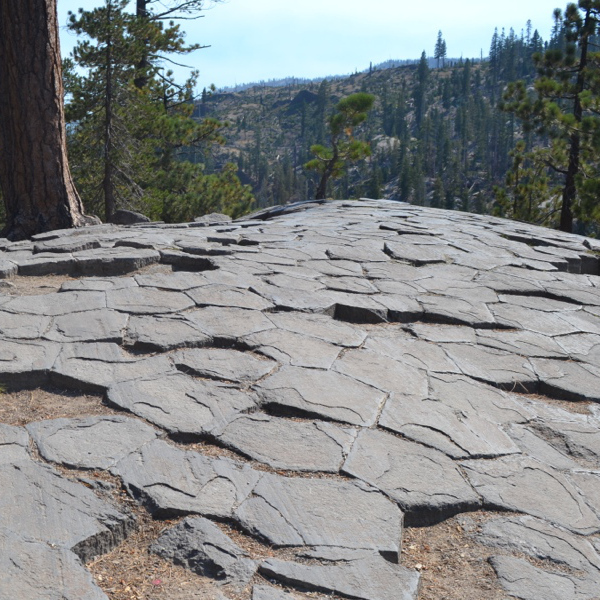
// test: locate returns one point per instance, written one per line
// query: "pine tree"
(331, 162)
(564, 110)
(130, 141)
(440, 51)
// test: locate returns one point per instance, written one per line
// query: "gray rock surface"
(350, 574)
(320, 512)
(425, 483)
(172, 482)
(199, 545)
(289, 444)
(181, 404)
(90, 443)
(306, 375)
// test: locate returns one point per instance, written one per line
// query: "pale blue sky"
(253, 40)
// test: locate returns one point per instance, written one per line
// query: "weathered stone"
(350, 574)
(101, 325)
(113, 261)
(527, 582)
(323, 393)
(30, 568)
(177, 281)
(14, 444)
(501, 369)
(89, 443)
(220, 295)
(54, 305)
(128, 217)
(147, 301)
(382, 373)
(320, 327)
(181, 404)
(230, 324)
(541, 541)
(163, 333)
(567, 380)
(427, 485)
(40, 504)
(228, 365)
(95, 367)
(321, 512)
(528, 486)
(23, 327)
(26, 363)
(199, 545)
(213, 218)
(294, 349)
(172, 482)
(266, 592)
(287, 444)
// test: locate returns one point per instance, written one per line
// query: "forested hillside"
(437, 135)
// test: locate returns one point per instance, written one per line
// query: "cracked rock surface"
(317, 377)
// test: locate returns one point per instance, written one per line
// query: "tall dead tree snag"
(38, 191)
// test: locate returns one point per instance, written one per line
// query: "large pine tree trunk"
(37, 187)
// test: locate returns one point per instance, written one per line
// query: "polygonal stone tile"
(34, 569)
(14, 444)
(43, 505)
(323, 393)
(321, 512)
(567, 380)
(163, 333)
(294, 349)
(147, 301)
(356, 574)
(89, 443)
(199, 545)
(181, 404)
(102, 325)
(53, 305)
(174, 482)
(229, 365)
(501, 369)
(287, 444)
(427, 485)
(528, 486)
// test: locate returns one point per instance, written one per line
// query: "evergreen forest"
(515, 133)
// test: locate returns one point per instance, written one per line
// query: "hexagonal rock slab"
(95, 367)
(40, 504)
(460, 417)
(542, 541)
(351, 574)
(528, 486)
(228, 365)
(181, 404)
(322, 512)
(425, 483)
(90, 443)
(14, 444)
(199, 545)
(172, 482)
(33, 569)
(163, 333)
(287, 444)
(524, 581)
(147, 301)
(294, 349)
(101, 325)
(326, 394)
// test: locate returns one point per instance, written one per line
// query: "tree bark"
(38, 190)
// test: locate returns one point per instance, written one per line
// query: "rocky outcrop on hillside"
(322, 378)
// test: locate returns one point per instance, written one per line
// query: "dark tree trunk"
(38, 190)
(141, 12)
(570, 188)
